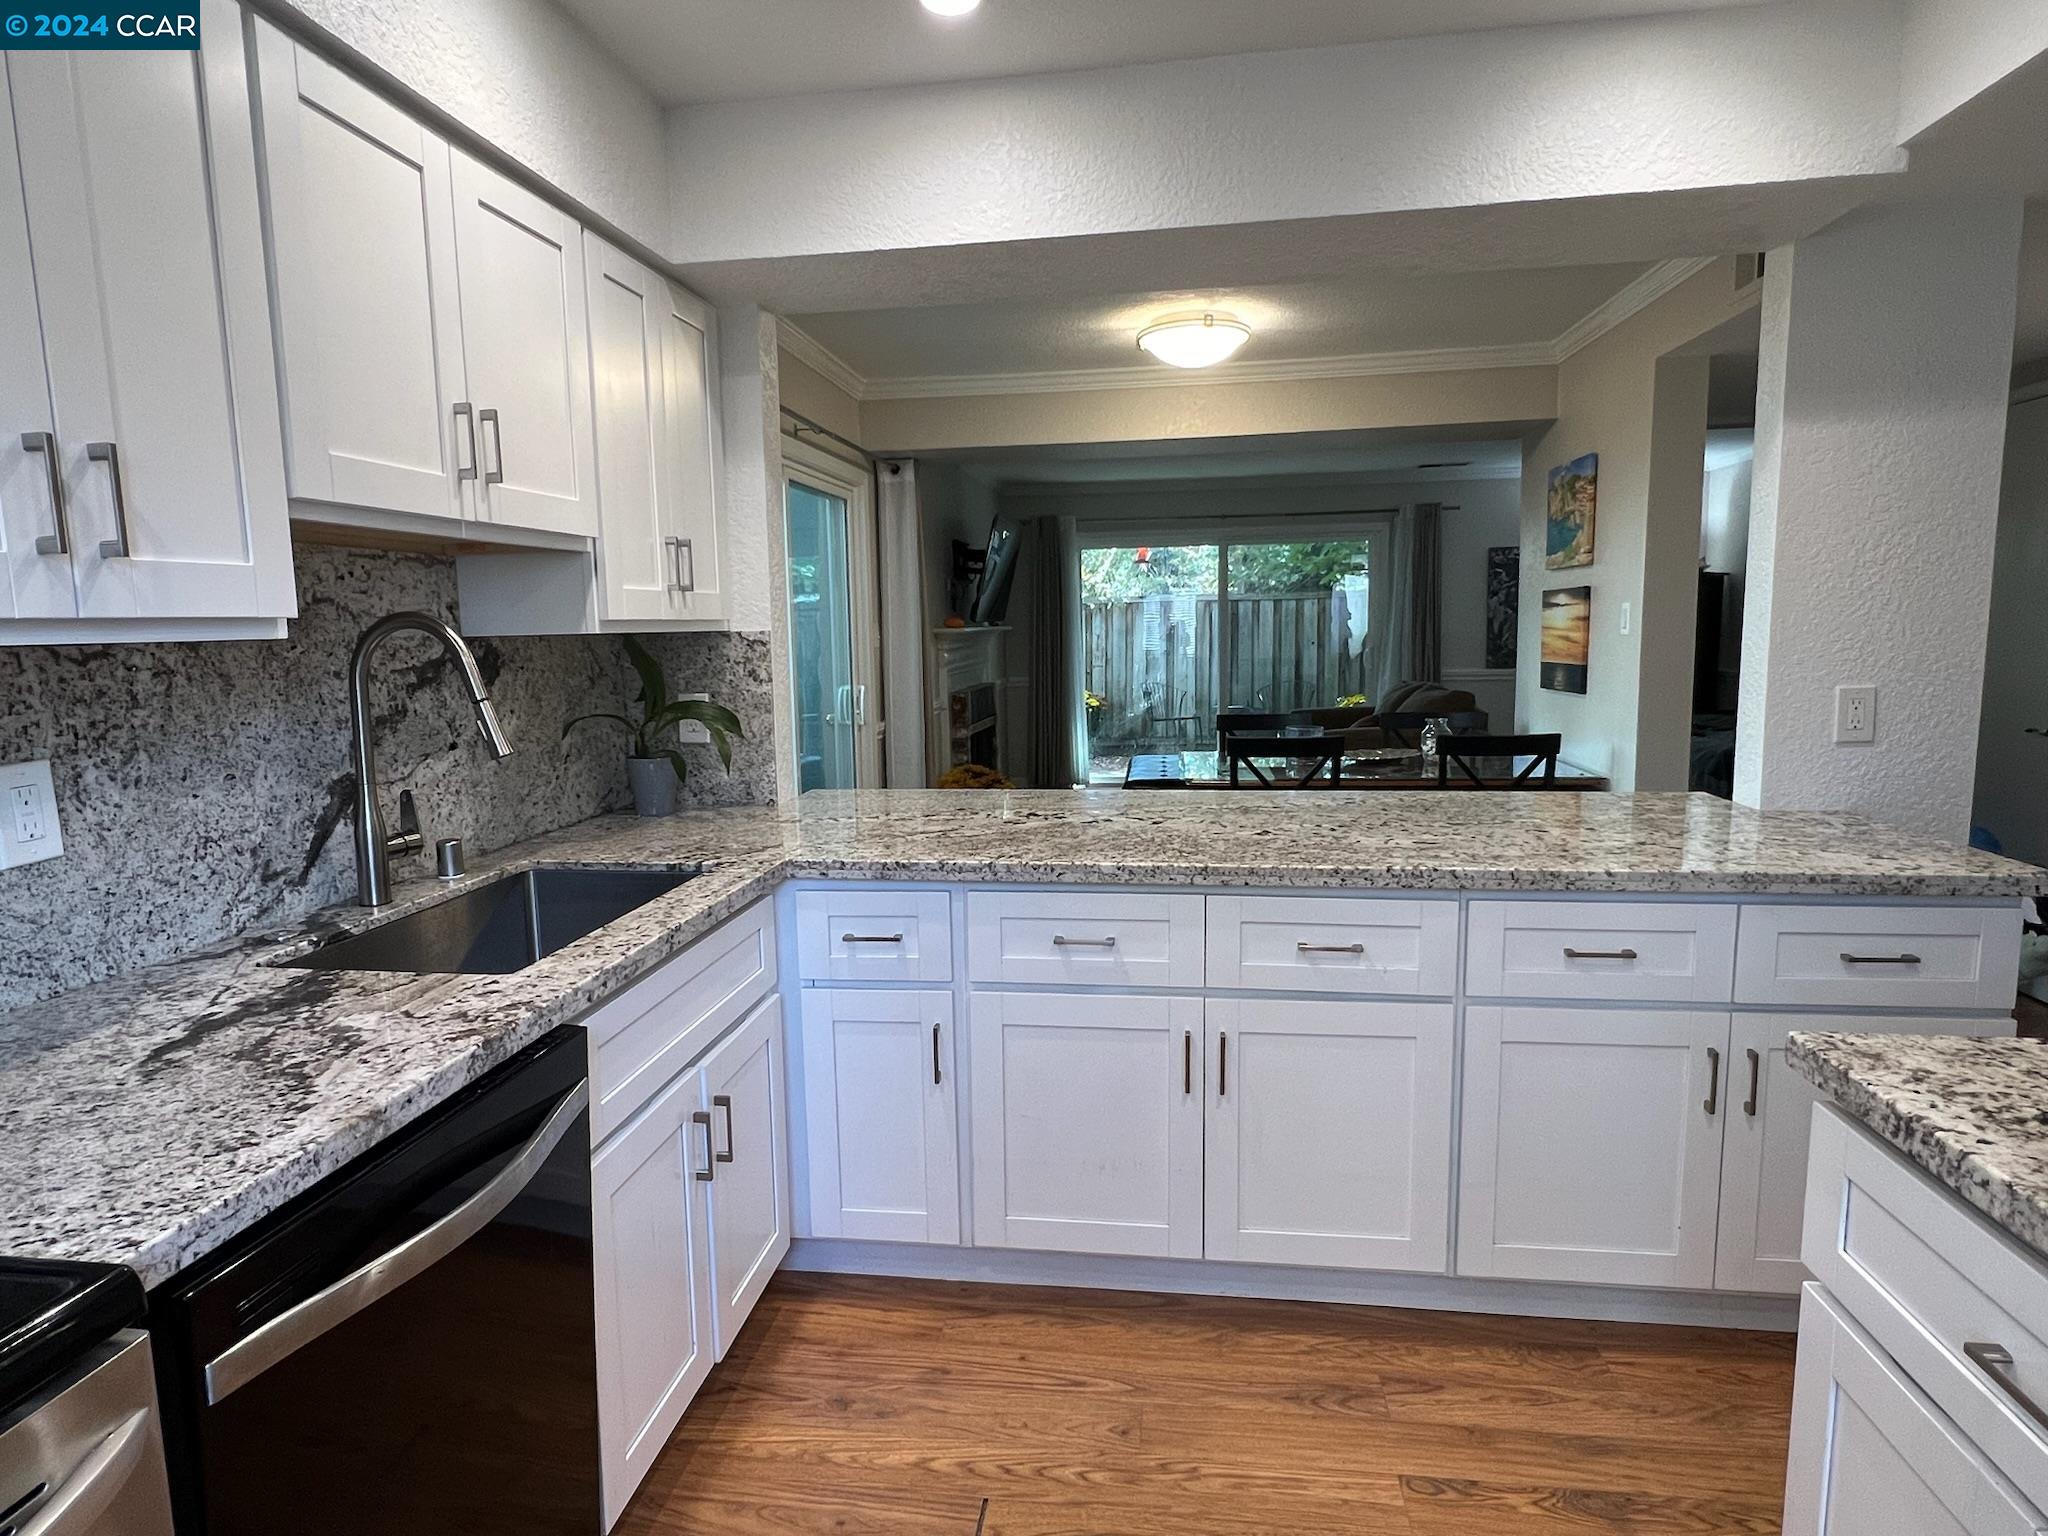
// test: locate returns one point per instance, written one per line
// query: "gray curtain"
(1049, 712)
(1425, 592)
(899, 552)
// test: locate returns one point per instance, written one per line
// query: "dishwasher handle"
(101, 1473)
(289, 1332)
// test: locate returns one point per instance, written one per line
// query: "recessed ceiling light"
(950, 7)
(1194, 341)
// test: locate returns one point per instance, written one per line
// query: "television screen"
(992, 598)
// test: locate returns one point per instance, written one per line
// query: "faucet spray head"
(493, 732)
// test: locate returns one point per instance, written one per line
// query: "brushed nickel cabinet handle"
(1996, 1362)
(1187, 1062)
(466, 414)
(1713, 1104)
(1756, 1073)
(677, 548)
(45, 443)
(1599, 954)
(119, 546)
(1306, 948)
(724, 1101)
(871, 938)
(1061, 941)
(489, 418)
(709, 1171)
(936, 1078)
(1849, 959)
(1222, 1064)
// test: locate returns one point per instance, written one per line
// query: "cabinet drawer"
(1879, 957)
(874, 935)
(1345, 944)
(1938, 1287)
(1104, 939)
(1625, 951)
(651, 1031)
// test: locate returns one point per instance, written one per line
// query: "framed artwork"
(1568, 523)
(1567, 628)
(1503, 605)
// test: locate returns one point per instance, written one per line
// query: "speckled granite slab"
(1974, 1113)
(150, 1118)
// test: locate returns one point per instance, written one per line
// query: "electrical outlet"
(29, 831)
(1855, 715)
(692, 731)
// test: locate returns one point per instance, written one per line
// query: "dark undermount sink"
(500, 927)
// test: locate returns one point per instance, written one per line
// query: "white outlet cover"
(692, 732)
(1855, 715)
(29, 830)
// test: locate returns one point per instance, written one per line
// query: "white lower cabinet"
(653, 1271)
(880, 1115)
(747, 1195)
(1329, 1133)
(1087, 1128)
(1872, 1455)
(1592, 1145)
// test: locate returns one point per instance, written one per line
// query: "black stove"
(51, 1312)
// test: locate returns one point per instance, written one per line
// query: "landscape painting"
(1567, 626)
(1503, 606)
(1568, 540)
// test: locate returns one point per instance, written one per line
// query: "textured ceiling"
(1380, 455)
(728, 50)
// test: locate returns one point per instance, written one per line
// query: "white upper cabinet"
(695, 438)
(362, 228)
(526, 353)
(155, 507)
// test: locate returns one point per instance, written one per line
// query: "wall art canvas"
(1503, 605)
(1568, 540)
(1567, 627)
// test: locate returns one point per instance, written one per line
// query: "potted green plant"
(655, 770)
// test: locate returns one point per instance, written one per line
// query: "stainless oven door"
(86, 1456)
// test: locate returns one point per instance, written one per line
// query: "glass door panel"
(1149, 652)
(821, 638)
(1298, 622)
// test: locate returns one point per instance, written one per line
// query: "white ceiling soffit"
(1547, 352)
(1296, 458)
(688, 51)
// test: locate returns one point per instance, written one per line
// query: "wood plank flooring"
(896, 1407)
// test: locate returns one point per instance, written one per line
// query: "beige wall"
(1636, 397)
(809, 393)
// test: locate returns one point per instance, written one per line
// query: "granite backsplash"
(205, 789)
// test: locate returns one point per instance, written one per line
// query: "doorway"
(828, 510)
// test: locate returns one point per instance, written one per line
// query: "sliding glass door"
(1175, 631)
(830, 552)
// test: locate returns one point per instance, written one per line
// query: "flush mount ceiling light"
(1194, 341)
(950, 7)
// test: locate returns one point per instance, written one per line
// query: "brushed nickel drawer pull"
(709, 1171)
(1306, 948)
(1222, 1064)
(1187, 1062)
(1849, 959)
(120, 546)
(724, 1101)
(1756, 1072)
(1713, 1104)
(1996, 1361)
(935, 1056)
(871, 938)
(1061, 941)
(45, 443)
(1600, 954)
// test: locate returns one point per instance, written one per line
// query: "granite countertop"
(148, 1119)
(1972, 1112)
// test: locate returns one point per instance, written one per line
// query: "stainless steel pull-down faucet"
(375, 846)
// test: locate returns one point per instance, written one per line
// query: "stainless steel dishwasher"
(81, 1451)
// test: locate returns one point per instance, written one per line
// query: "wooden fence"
(1152, 660)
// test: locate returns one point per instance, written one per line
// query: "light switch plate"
(29, 831)
(1855, 715)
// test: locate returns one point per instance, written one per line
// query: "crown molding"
(1638, 295)
(821, 360)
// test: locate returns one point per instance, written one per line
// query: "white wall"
(1881, 412)
(526, 78)
(1584, 110)
(2012, 765)
(1953, 49)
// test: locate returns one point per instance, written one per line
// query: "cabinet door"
(693, 509)
(362, 232)
(1329, 1133)
(35, 562)
(526, 352)
(636, 570)
(880, 1115)
(1871, 1455)
(1770, 1122)
(653, 1275)
(140, 177)
(1088, 1123)
(1592, 1145)
(748, 1195)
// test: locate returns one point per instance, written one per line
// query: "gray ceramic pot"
(654, 785)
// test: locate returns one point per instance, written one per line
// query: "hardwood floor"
(894, 1406)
